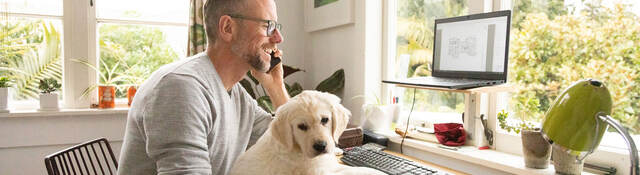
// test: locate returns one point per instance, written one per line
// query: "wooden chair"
(93, 157)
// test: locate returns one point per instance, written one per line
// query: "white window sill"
(488, 158)
(64, 112)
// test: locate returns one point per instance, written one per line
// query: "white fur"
(286, 149)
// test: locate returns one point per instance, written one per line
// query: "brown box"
(350, 137)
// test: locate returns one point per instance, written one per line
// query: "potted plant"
(376, 116)
(333, 84)
(109, 81)
(48, 95)
(4, 94)
(134, 77)
(535, 149)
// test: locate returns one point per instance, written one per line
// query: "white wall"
(290, 15)
(26, 140)
(354, 47)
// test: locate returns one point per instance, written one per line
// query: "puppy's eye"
(302, 127)
(324, 120)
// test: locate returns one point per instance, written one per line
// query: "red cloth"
(450, 134)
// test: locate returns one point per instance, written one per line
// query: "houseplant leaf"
(255, 81)
(247, 86)
(288, 70)
(265, 103)
(37, 63)
(332, 84)
(295, 89)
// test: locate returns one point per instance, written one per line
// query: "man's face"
(251, 41)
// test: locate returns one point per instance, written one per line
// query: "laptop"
(468, 51)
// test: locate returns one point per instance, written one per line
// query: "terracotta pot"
(131, 92)
(49, 102)
(536, 150)
(106, 96)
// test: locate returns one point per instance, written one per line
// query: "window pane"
(133, 52)
(555, 43)
(41, 7)
(414, 48)
(33, 52)
(146, 10)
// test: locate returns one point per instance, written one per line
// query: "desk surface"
(421, 162)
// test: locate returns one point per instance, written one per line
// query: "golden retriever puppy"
(301, 140)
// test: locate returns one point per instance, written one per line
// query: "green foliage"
(333, 84)
(504, 124)
(547, 55)
(30, 52)
(130, 53)
(109, 76)
(5, 82)
(49, 85)
(521, 8)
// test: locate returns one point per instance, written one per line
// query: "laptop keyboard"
(453, 80)
(387, 163)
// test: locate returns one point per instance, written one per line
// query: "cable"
(408, 117)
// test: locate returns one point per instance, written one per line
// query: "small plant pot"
(566, 163)
(106, 97)
(378, 117)
(4, 100)
(131, 92)
(536, 150)
(49, 102)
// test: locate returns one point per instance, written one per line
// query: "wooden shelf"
(485, 89)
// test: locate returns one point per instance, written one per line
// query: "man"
(192, 116)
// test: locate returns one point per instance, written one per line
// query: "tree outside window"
(554, 43)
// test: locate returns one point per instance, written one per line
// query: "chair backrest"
(93, 157)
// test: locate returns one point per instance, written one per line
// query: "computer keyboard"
(387, 163)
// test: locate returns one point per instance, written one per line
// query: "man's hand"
(273, 82)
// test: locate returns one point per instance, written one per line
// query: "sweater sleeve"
(176, 121)
(261, 121)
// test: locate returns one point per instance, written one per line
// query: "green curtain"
(197, 36)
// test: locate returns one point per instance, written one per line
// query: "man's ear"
(340, 118)
(281, 129)
(225, 28)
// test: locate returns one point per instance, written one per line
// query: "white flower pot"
(4, 100)
(49, 102)
(378, 118)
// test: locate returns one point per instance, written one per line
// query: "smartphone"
(274, 61)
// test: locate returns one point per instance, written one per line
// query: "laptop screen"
(474, 46)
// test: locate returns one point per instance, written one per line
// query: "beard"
(240, 48)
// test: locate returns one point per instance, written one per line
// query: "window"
(131, 41)
(555, 43)
(31, 44)
(414, 52)
(137, 39)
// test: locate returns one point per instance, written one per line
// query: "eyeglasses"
(271, 24)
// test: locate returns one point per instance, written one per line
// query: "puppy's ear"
(340, 118)
(281, 128)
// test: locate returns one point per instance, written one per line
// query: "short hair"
(214, 9)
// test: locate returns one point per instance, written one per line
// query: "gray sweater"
(183, 121)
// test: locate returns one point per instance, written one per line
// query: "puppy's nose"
(320, 146)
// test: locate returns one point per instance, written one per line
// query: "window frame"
(80, 41)
(503, 141)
